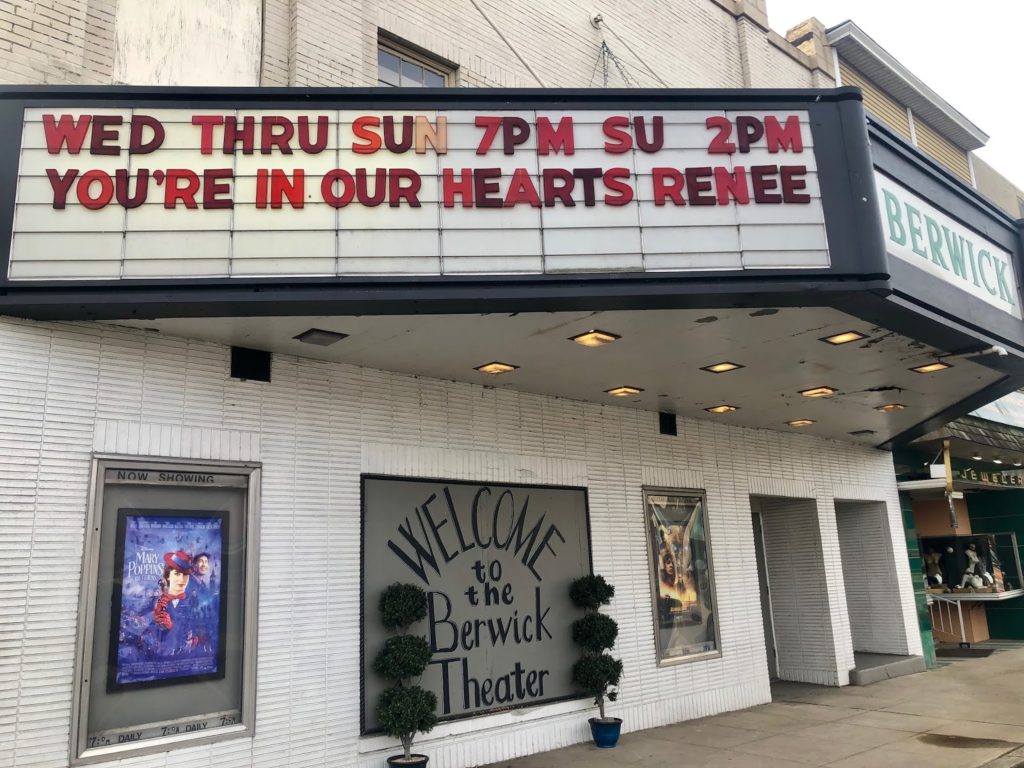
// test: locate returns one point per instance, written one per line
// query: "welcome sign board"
(134, 193)
(496, 562)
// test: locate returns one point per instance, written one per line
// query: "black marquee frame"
(837, 124)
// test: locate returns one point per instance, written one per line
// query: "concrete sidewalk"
(967, 714)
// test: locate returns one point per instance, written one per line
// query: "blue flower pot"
(605, 732)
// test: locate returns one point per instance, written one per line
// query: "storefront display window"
(682, 584)
(166, 648)
(977, 563)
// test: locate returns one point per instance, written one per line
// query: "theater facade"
(267, 351)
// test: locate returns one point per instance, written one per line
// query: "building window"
(401, 67)
(685, 625)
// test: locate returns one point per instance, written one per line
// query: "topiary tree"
(596, 673)
(404, 709)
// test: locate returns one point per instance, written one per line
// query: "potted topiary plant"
(597, 673)
(405, 709)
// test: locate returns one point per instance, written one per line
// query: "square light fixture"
(595, 338)
(724, 408)
(819, 392)
(800, 423)
(623, 391)
(931, 367)
(890, 407)
(723, 367)
(843, 338)
(496, 368)
(320, 337)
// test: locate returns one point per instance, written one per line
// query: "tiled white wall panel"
(801, 615)
(858, 495)
(67, 390)
(869, 575)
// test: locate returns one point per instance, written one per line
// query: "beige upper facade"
(475, 43)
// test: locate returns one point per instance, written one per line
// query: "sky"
(968, 52)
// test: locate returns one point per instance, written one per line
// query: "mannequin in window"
(975, 576)
(933, 569)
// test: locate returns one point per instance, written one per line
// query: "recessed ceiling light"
(595, 338)
(819, 392)
(320, 337)
(721, 367)
(623, 391)
(976, 456)
(496, 368)
(800, 422)
(844, 338)
(724, 408)
(931, 367)
(890, 407)
(997, 460)
(1017, 463)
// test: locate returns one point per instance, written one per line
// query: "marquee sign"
(919, 233)
(129, 193)
(496, 562)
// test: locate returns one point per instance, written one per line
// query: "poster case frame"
(672, 661)
(247, 474)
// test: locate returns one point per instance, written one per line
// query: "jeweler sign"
(920, 234)
(1012, 478)
(496, 562)
(183, 193)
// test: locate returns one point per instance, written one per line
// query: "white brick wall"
(68, 389)
(42, 42)
(277, 43)
(681, 43)
(769, 67)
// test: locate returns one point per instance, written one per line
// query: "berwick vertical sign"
(919, 233)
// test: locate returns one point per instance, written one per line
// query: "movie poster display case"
(682, 584)
(167, 617)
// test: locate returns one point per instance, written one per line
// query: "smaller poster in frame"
(682, 584)
(168, 604)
